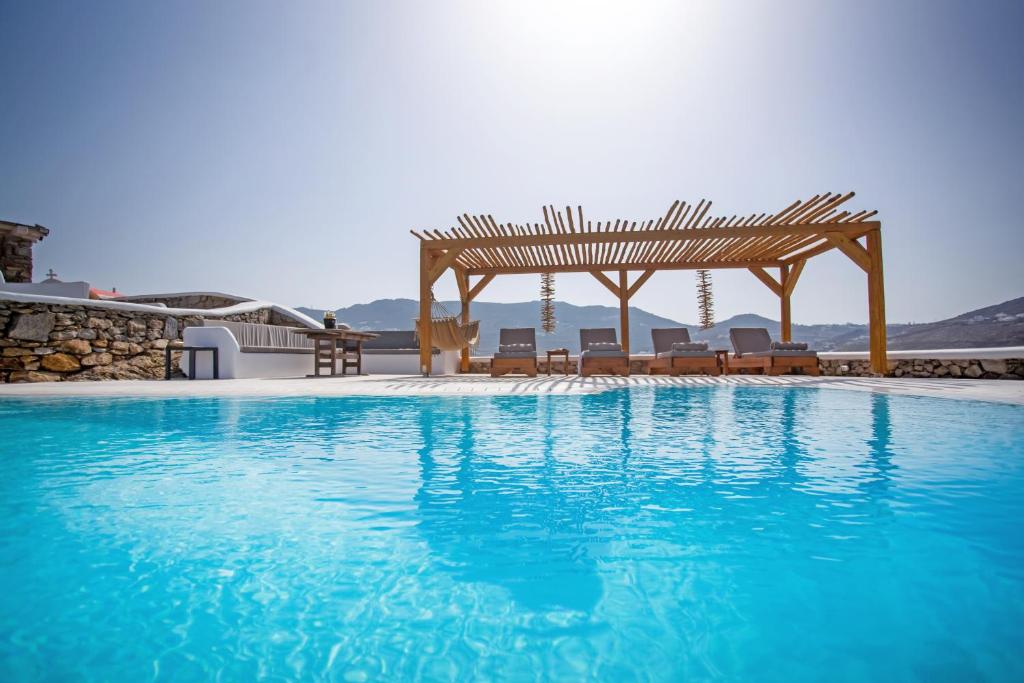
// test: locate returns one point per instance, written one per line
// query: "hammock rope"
(446, 332)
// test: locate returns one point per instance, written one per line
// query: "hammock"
(446, 332)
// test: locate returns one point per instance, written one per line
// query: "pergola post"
(462, 280)
(624, 309)
(785, 316)
(876, 304)
(426, 342)
(466, 296)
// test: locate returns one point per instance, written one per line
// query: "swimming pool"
(644, 534)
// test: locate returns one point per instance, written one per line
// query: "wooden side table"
(564, 353)
(722, 356)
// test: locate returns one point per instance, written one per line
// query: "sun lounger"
(517, 352)
(755, 350)
(675, 354)
(601, 354)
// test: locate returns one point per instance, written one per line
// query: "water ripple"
(645, 534)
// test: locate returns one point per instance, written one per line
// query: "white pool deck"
(1001, 391)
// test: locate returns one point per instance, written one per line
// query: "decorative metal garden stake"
(547, 305)
(705, 300)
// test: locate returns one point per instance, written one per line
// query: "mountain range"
(999, 325)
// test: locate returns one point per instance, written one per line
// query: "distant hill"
(999, 325)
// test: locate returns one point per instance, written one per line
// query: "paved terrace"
(1001, 391)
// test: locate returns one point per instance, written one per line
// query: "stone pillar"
(16, 258)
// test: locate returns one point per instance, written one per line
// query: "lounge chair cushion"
(604, 346)
(781, 354)
(747, 340)
(686, 354)
(789, 346)
(516, 354)
(664, 338)
(603, 353)
(509, 348)
(589, 336)
(508, 336)
(690, 346)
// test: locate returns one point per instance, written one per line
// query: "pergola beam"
(442, 262)
(826, 245)
(767, 279)
(670, 265)
(783, 288)
(607, 282)
(851, 248)
(462, 281)
(475, 290)
(640, 282)
(499, 241)
(789, 282)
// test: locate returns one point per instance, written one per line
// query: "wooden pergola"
(686, 237)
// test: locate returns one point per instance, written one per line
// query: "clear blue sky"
(283, 150)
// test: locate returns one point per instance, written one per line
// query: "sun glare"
(593, 40)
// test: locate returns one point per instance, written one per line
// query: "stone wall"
(985, 368)
(267, 316)
(46, 342)
(637, 366)
(198, 300)
(482, 366)
(16, 258)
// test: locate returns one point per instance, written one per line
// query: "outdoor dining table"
(325, 349)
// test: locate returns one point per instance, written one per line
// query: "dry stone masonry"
(984, 368)
(45, 342)
(15, 258)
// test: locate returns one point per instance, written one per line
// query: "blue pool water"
(669, 534)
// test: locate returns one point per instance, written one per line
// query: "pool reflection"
(539, 494)
(512, 519)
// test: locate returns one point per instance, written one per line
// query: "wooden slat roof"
(685, 236)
